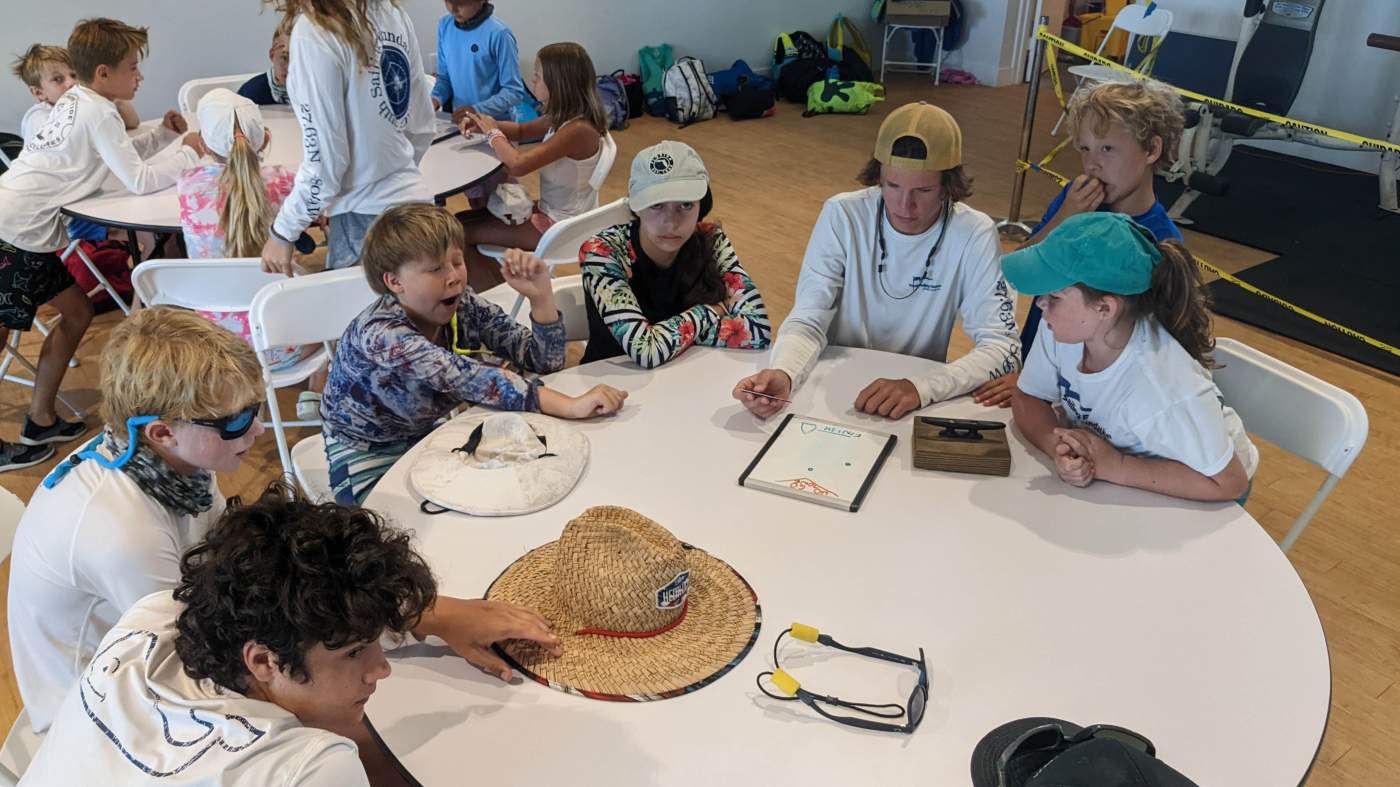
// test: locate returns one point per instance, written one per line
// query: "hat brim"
(445, 480)
(1030, 272)
(674, 190)
(987, 752)
(720, 626)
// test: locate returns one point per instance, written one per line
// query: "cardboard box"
(918, 7)
(930, 13)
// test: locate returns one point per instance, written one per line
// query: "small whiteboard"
(819, 461)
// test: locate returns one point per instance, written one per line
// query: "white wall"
(1349, 86)
(188, 41)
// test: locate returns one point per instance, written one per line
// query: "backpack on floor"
(799, 75)
(838, 96)
(797, 45)
(689, 97)
(614, 96)
(750, 100)
(655, 60)
(727, 82)
(636, 99)
(113, 260)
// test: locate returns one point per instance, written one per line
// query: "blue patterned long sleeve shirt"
(390, 383)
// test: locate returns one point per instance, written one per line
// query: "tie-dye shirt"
(200, 203)
(390, 383)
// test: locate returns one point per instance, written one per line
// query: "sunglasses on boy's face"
(912, 711)
(231, 427)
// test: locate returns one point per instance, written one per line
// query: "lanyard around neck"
(928, 263)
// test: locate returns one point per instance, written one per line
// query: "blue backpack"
(614, 96)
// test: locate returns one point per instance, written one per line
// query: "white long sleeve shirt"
(843, 297)
(85, 552)
(364, 127)
(68, 158)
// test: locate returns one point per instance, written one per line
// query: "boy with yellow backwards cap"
(890, 268)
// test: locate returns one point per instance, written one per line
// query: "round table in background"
(1183, 621)
(449, 167)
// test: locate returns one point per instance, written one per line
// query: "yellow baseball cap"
(930, 125)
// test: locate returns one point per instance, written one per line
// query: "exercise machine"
(1271, 60)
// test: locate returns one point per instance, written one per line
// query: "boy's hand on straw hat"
(996, 393)
(889, 398)
(471, 626)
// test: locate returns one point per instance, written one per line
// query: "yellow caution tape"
(1054, 67)
(1367, 143)
(1023, 166)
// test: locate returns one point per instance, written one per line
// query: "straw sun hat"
(641, 615)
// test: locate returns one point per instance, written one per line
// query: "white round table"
(450, 166)
(1182, 621)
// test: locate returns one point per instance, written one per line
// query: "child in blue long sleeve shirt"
(478, 62)
(430, 344)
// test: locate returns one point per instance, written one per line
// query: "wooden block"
(933, 449)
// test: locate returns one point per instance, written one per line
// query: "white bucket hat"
(216, 113)
(500, 464)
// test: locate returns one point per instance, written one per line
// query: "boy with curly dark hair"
(256, 669)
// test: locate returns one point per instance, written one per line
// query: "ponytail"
(1180, 302)
(245, 211)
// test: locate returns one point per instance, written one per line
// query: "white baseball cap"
(216, 113)
(667, 172)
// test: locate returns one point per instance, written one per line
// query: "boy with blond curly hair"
(1125, 133)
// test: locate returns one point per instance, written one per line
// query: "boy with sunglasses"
(180, 398)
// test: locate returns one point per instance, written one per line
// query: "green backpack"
(655, 60)
(839, 96)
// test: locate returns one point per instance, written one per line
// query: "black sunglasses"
(231, 427)
(1050, 738)
(912, 711)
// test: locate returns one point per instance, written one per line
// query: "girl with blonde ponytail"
(228, 201)
(1123, 355)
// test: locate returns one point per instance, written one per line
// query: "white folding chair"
(1297, 412)
(312, 468)
(568, 297)
(1143, 19)
(192, 91)
(313, 309)
(559, 245)
(10, 353)
(225, 285)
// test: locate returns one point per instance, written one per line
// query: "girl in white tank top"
(573, 157)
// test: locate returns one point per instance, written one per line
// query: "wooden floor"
(770, 178)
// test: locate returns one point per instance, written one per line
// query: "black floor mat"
(1339, 254)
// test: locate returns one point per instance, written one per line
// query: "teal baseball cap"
(1106, 251)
